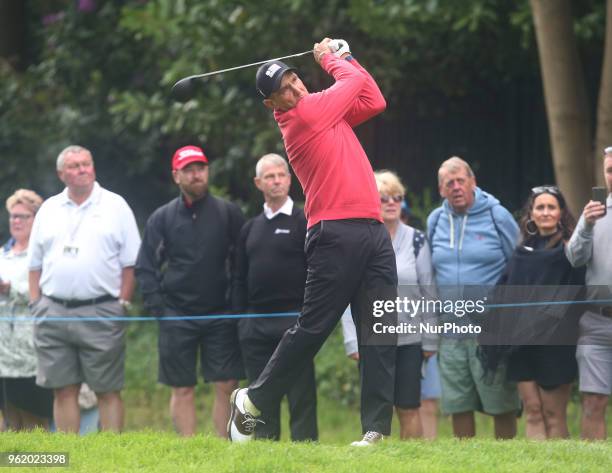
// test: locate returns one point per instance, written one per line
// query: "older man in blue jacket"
(472, 237)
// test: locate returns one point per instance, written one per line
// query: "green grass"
(337, 423)
(147, 402)
(149, 444)
(164, 452)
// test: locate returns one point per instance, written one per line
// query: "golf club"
(183, 90)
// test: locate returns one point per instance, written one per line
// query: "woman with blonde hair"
(24, 404)
(415, 351)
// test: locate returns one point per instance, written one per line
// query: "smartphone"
(600, 194)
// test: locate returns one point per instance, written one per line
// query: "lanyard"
(83, 213)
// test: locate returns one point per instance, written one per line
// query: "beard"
(195, 190)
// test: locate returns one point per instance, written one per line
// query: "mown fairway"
(164, 452)
(149, 444)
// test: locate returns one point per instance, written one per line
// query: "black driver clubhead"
(183, 90)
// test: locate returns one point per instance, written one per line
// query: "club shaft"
(221, 71)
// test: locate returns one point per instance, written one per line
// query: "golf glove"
(339, 46)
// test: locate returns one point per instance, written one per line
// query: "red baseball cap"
(187, 155)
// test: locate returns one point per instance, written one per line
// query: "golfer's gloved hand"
(340, 47)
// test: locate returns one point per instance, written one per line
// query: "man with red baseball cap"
(187, 155)
(181, 269)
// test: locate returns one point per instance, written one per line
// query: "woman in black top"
(537, 340)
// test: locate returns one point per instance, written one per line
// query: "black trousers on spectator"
(301, 395)
(349, 261)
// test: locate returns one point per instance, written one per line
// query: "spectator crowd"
(79, 255)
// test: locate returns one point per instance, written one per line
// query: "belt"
(371, 221)
(72, 303)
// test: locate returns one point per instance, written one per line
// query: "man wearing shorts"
(591, 244)
(472, 237)
(82, 252)
(182, 271)
(348, 250)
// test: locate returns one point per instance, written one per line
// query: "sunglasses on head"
(385, 199)
(554, 190)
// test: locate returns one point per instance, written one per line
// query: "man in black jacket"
(182, 271)
(269, 278)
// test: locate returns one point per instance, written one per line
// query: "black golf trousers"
(301, 395)
(349, 261)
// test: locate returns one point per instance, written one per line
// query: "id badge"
(71, 251)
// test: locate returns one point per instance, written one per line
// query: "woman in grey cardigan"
(415, 276)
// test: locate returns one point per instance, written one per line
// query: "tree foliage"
(573, 133)
(100, 73)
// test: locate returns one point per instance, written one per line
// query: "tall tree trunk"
(565, 94)
(604, 108)
(12, 31)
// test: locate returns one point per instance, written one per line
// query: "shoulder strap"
(495, 223)
(418, 240)
(432, 230)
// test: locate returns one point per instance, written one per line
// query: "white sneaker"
(241, 425)
(369, 439)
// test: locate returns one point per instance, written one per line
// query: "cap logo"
(272, 70)
(187, 153)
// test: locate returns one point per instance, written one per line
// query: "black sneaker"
(241, 425)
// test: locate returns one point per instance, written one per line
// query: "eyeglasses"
(385, 199)
(554, 190)
(20, 216)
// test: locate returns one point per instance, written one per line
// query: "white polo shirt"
(81, 249)
(286, 209)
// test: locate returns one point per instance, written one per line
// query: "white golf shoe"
(369, 439)
(241, 425)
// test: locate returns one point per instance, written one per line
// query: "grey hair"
(454, 164)
(69, 150)
(270, 159)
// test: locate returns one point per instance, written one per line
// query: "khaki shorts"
(463, 386)
(75, 352)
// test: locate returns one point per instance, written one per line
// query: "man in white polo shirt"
(82, 252)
